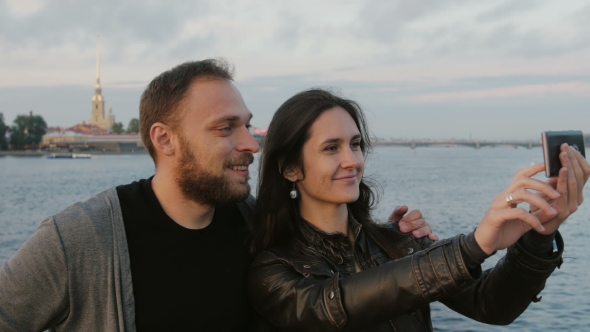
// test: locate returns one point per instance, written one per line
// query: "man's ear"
(293, 174)
(163, 139)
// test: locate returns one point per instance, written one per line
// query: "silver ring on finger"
(510, 201)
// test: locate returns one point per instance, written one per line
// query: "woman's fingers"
(552, 182)
(523, 195)
(576, 168)
(575, 165)
(522, 180)
(530, 171)
(521, 214)
(562, 188)
(583, 164)
(552, 203)
(562, 205)
(578, 171)
(530, 219)
(572, 181)
(524, 183)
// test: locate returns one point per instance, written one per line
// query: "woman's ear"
(292, 174)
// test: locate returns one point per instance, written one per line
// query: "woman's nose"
(350, 160)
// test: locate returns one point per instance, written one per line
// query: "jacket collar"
(334, 244)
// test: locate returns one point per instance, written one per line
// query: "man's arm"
(34, 283)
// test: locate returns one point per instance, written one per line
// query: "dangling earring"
(293, 192)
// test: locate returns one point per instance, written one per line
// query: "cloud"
(407, 61)
(130, 29)
(289, 31)
(507, 9)
(513, 91)
(24, 8)
(479, 31)
(54, 43)
(385, 21)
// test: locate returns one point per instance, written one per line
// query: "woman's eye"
(331, 148)
(226, 129)
(355, 144)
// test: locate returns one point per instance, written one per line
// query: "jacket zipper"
(354, 259)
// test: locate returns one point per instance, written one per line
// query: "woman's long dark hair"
(277, 215)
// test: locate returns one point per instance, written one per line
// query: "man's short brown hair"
(160, 100)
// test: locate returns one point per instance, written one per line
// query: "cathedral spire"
(98, 63)
(98, 117)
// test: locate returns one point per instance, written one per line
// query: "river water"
(452, 186)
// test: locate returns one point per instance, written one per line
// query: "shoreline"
(432, 144)
(45, 153)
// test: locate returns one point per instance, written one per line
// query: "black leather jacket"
(311, 285)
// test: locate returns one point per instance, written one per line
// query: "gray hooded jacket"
(73, 273)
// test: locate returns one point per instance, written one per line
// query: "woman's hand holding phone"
(504, 223)
(571, 180)
(552, 203)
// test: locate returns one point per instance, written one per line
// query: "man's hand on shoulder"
(411, 222)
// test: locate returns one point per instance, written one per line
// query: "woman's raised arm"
(303, 294)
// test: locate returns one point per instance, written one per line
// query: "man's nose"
(247, 142)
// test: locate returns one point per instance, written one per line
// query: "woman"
(324, 265)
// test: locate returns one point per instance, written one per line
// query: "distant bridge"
(469, 143)
(476, 144)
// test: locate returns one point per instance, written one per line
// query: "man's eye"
(248, 126)
(226, 129)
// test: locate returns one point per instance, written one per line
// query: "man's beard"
(200, 186)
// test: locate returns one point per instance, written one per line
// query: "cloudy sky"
(421, 69)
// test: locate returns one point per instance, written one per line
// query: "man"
(166, 253)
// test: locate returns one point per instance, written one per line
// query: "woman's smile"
(347, 178)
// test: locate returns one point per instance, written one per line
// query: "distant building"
(96, 135)
(98, 117)
(83, 137)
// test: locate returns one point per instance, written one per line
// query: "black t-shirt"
(184, 279)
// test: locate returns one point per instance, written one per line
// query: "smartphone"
(552, 141)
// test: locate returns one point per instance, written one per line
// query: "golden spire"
(98, 58)
(98, 63)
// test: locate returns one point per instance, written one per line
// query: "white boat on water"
(69, 156)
